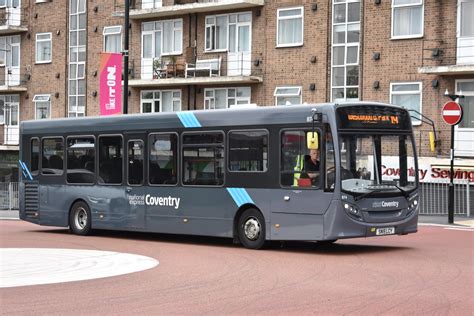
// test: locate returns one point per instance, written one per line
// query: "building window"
(9, 3)
(42, 106)
(161, 101)
(226, 97)
(287, 95)
(345, 51)
(43, 48)
(407, 18)
(203, 158)
(408, 95)
(112, 39)
(77, 58)
(248, 151)
(466, 88)
(162, 38)
(290, 27)
(228, 32)
(2, 112)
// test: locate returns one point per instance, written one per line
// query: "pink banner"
(110, 83)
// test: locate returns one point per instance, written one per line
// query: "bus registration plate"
(385, 231)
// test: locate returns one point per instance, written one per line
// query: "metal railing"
(440, 53)
(9, 196)
(12, 17)
(155, 4)
(240, 66)
(434, 197)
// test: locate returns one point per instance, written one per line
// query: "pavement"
(422, 219)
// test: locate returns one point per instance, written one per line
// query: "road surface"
(430, 272)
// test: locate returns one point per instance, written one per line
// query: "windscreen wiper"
(357, 198)
(405, 193)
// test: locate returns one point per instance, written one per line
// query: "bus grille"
(31, 199)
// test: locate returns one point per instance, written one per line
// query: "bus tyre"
(251, 229)
(80, 219)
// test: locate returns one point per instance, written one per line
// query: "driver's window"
(300, 165)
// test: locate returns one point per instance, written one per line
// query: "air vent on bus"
(31, 199)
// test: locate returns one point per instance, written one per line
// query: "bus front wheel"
(251, 229)
(80, 219)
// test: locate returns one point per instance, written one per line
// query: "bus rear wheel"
(251, 229)
(80, 219)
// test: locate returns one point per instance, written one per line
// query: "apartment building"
(214, 54)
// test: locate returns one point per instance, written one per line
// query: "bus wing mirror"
(432, 142)
(312, 140)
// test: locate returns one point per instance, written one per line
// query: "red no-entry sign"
(452, 113)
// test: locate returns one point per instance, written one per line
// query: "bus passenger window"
(110, 160)
(34, 160)
(299, 166)
(53, 156)
(248, 151)
(163, 159)
(330, 178)
(135, 162)
(203, 158)
(80, 161)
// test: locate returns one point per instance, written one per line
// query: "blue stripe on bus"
(25, 170)
(240, 196)
(188, 119)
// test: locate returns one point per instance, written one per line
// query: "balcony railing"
(157, 8)
(215, 70)
(12, 80)
(12, 20)
(443, 58)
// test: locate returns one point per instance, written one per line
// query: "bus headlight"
(352, 211)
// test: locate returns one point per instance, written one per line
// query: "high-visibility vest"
(298, 168)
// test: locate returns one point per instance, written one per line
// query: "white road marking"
(33, 266)
(466, 229)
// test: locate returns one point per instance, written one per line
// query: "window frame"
(41, 156)
(41, 101)
(300, 89)
(98, 160)
(266, 131)
(161, 98)
(114, 33)
(50, 40)
(128, 162)
(420, 3)
(153, 36)
(36, 172)
(295, 44)
(466, 93)
(420, 85)
(227, 97)
(178, 169)
(322, 158)
(182, 146)
(96, 157)
(228, 39)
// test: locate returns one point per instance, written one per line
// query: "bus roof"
(265, 115)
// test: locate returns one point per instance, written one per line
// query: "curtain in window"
(289, 31)
(113, 43)
(409, 101)
(407, 21)
(467, 16)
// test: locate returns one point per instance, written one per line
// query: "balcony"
(169, 72)
(11, 81)
(144, 9)
(442, 59)
(12, 21)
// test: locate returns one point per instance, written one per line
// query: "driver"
(311, 165)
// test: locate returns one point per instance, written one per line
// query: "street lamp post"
(125, 57)
(453, 97)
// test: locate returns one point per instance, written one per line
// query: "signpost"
(452, 114)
